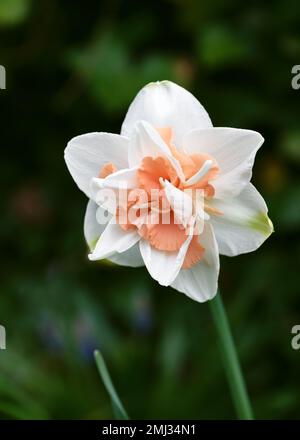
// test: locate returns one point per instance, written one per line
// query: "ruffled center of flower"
(153, 173)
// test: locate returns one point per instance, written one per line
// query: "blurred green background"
(72, 68)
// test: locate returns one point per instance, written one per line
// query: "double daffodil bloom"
(170, 192)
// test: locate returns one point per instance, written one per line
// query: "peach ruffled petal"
(194, 253)
(184, 159)
(150, 217)
(164, 237)
(186, 162)
(209, 191)
(152, 169)
(130, 212)
(107, 169)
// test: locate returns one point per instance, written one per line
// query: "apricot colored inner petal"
(107, 169)
(164, 237)
(152, 169)
(194, 253)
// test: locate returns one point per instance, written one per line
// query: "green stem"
(118, 408)
(231, 362)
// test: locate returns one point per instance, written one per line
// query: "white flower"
(168, 145)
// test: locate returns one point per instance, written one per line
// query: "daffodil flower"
(200, 175)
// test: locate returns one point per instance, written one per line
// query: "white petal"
(244, 225)
(85, 155)
(163, 266)
(92, 228)
(180, 202)
(123, 179)
(106, 198)
(114, 239)
(111, 192)
(234, 150)
(131, 258)
(200, 282)
(200, 173)
(165, 104)
(146, 141)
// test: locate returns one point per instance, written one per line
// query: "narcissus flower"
(171, 192)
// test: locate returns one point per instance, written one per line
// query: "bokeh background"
(74, 67)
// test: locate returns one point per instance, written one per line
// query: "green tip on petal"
(92, 244)
(108, 263)
(262, 223)
(104, 262)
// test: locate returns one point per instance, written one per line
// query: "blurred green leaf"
(111, 75)
(290, 145)
(220, 46)
(13, 12)
(288, 211)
